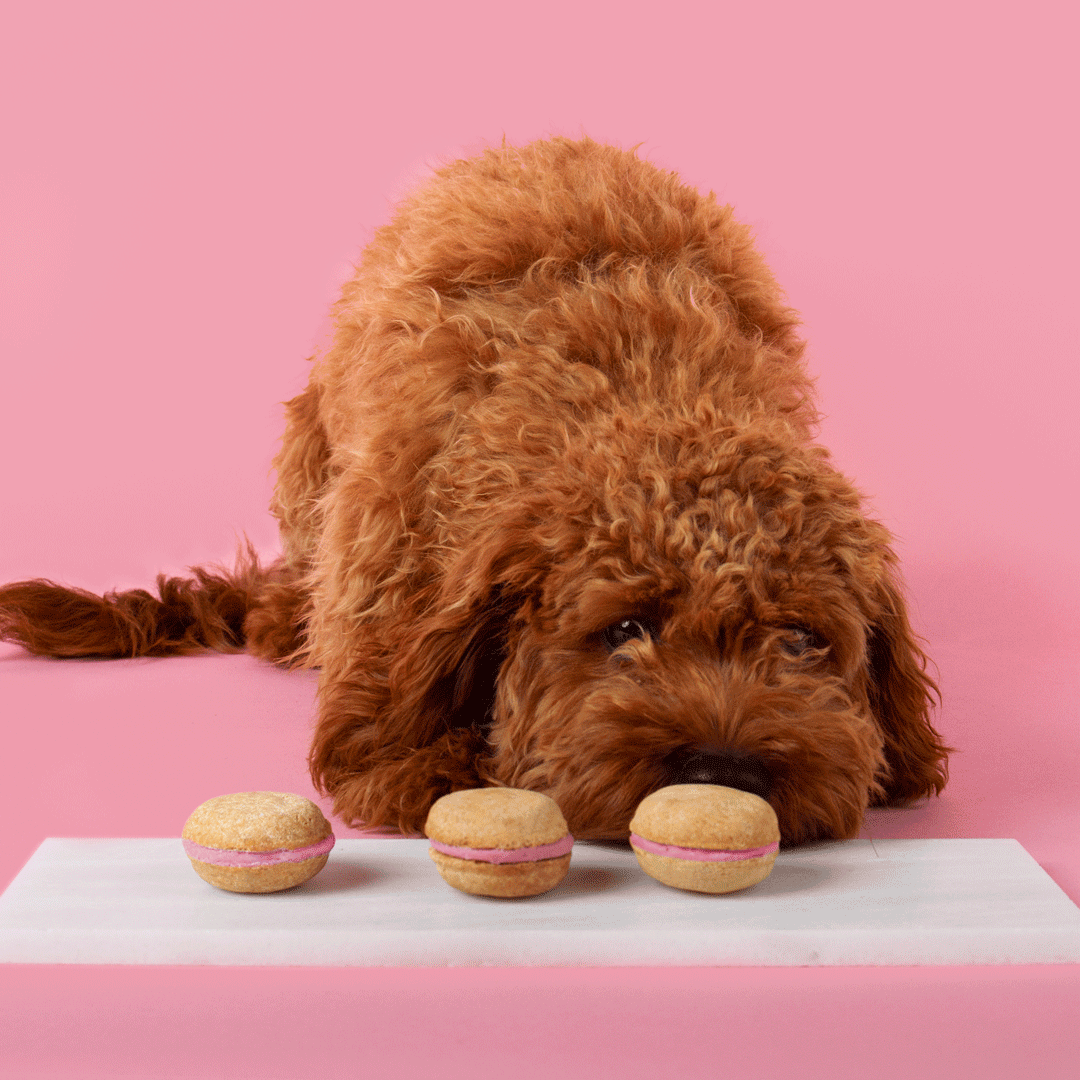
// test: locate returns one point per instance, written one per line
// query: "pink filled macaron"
(705, 838)
(257, 841)
(499, 841)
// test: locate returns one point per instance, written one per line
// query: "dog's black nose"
(714, 765)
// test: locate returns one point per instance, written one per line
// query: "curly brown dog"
(553, 518)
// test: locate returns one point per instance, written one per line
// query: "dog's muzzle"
(715, 765)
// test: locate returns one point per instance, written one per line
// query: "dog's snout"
(715, 765)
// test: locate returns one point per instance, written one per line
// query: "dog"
(553, 517)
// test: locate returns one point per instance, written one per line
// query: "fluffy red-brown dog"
(553, 518)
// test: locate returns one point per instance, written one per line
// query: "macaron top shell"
(706, 816)
(257, 821)
(495, 818)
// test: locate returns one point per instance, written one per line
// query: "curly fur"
(565, 394)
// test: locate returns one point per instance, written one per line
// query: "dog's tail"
(261, 609)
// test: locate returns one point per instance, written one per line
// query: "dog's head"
(682, 600)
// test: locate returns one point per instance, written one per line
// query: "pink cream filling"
(225, 857)
(673, 851)
(503, 855)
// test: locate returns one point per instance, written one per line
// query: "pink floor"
(183, 188)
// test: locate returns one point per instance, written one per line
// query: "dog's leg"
(393, 787)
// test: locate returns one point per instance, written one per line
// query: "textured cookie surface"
(706, 877)
(507, 879)
(261, 879)
(706, 816)
(257, 821)
(257, 841)
(705, 838)
(495, 818)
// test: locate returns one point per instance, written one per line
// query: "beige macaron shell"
(259, 879)
(257, 821)
(712, 817)
(706, 816)
(495, 818)
(706, 877)
(501, 879)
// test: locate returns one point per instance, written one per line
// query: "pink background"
(182, 189)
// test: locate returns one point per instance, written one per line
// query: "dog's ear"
(444, 676)
(902, 695)
(460, 689)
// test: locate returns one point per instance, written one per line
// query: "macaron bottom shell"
(260, 879)
(501, 879)
(707, 877)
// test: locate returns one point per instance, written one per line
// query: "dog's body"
(552, 518)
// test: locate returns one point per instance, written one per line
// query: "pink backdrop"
(183, 188)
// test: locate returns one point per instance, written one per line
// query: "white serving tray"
(381, 902)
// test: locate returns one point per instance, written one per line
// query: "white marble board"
(381, 902)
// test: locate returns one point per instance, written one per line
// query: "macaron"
(257, 841)
(705, 838)
(499, 841)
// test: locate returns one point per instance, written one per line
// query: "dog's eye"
(798, 641)
(618, 634)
